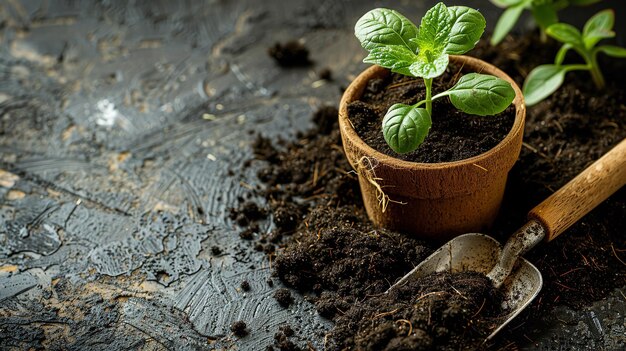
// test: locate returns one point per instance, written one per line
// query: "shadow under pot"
(436, 201)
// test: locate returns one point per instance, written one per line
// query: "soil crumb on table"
(281, 340)
(284, 298)
(290, 54)
(216, 250)
(239, 328)
(325, 74)
(247, 212)
(245, 285)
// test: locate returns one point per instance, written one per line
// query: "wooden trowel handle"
(583, 193)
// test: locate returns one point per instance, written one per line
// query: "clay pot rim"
(473, 63)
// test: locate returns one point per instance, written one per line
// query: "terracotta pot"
(432, 200)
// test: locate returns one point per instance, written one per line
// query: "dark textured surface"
(119, 124)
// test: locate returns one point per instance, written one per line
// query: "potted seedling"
(546, 79)
(436, 200)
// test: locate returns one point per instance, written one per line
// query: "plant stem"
(595, 71)
(428, 82)
(560, 56)
(543, 37)
(592, 66)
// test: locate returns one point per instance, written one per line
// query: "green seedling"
(396, 43)
(546, 79)
(544, 12)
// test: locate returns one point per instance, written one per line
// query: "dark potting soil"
(440, 311)
(342, 259)
(290, 54)
(454, 135)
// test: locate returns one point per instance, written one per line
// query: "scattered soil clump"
(290, 54)
(246, 213)
(325, 74)
(284, 298)
(239, 328)
(454, 135)
(281, 339)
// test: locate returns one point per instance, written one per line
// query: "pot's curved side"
(438, 200)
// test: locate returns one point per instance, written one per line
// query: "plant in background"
(396, 43)
(544, 12)
(546, 79)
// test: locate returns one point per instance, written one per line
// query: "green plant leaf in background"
(397, 58)
(405, 127)
(543, 81)
(468, 26)
(583, 2)
(612, 50)
(480, 94)
(544, 13)
(598, 27)
(381, 27)
(505, 3)
(506, 21)
(560, 55)
(566, 34)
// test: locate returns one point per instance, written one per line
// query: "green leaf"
(543, 81)
(405, 127)
(612, 50)
(428, 67)
(583, 2)
(468, 26)
(505, 3)
(381, 27)
(395, 57)
(560, 55)
(434, 31)
(560, 4)
(565, 33)
(506, 22)
(599, 27)
(481, 94)
(544, 14)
